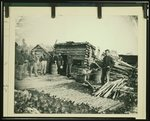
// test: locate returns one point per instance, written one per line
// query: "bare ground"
(66, 89)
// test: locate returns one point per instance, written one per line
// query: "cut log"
(126, 64)
(106, 90)
(111, 88)
(102, 88)
(109, 92)
(115, 95)
(127, 91)
(105, 86)
(122, 68)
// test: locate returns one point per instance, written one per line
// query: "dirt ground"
(66, 89)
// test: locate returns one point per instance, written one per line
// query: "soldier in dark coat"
(108, 63)
(69, 65)
(60, 63)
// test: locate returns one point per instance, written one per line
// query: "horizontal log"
(122, 67)
(119, 71)
(72, 49)
(69, 50)
(126, 64)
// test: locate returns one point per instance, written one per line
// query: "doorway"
(65, 64)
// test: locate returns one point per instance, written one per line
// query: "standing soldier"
(33, 63)
(60, 63)
(69, 65)
(44, 64)
(108, 63)
(25, 64)
(20, 65)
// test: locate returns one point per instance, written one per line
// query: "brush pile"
(35, 102)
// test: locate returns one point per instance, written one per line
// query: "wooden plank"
(102, 88)
(109, 92)
(106, 90)
(116, 85)
(107, 85)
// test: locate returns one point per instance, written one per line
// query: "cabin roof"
(128, 55)
(42, 47)
(71, 43)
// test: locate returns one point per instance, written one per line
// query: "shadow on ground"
(75, 86)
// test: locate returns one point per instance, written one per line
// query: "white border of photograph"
(9, 55)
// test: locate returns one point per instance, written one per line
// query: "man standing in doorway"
(33, 63)
(69, 65)
(44, 64)
(108, 63)
(60, 63)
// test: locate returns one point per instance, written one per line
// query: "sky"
(111, 32)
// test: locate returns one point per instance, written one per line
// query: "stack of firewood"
(123, 69)
(114, 89)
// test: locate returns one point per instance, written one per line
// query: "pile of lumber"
(123, 69)
(114, 89)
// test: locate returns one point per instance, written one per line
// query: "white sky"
(111, 32)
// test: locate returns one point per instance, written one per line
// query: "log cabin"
(82, 53)
(40, 51)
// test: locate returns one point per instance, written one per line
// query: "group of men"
(106, 68)
(108, 63)
(33, 64)
(64, 67)
(58, 59)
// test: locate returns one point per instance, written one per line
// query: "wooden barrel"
(98, 76)
(25, 70)
(19, 72)
(54, 69)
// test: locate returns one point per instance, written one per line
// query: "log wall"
(83, 52)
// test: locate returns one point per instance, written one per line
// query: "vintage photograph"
(76, 64)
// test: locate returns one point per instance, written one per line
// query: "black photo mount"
(98, 4)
